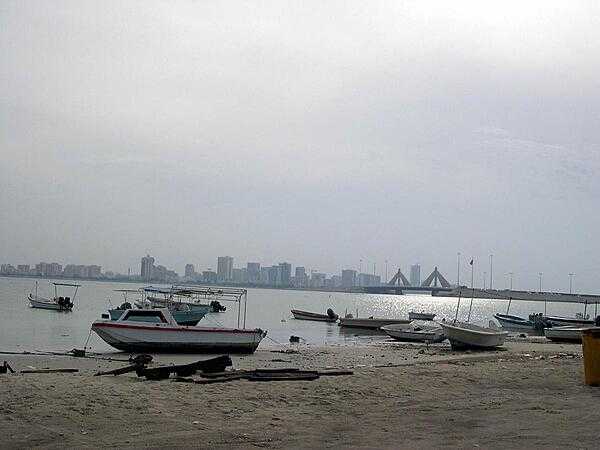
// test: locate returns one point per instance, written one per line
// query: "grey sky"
(314, 132)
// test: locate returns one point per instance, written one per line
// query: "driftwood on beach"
(271, 374)
(50, 370)
(217, 364)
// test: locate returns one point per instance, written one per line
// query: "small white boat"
(415, 333)
(57, 303)
(464, 335)
(369, 323)
(565, 333)
(414, 315)
(306, 315)
(155, 330)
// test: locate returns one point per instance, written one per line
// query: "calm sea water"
(24, 328)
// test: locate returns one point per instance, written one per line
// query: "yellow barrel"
(591, 356)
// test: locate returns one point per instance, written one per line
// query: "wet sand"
(530, 395)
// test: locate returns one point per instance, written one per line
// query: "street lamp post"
(458, 269)
(511, 278)
(571, 283)
(386, 272)
(540, 274)
(491, 271)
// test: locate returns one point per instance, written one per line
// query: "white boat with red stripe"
(155, 330)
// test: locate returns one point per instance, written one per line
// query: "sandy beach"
(530, 395)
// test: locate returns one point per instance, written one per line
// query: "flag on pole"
(471, 263)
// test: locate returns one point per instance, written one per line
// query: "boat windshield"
(142, 315)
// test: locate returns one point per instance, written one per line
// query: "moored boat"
(370, 323)
(306, 315)
(415, 333)
(414, 315)
(155, 330)
(463, 335)
(58, 302)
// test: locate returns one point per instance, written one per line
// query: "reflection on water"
(24, 328)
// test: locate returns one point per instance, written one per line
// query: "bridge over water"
(435, 283)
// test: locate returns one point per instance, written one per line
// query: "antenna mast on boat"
(472, 291)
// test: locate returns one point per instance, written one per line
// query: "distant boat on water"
(58, 302)
(414, 315)
(306, 315)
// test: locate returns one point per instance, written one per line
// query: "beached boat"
(565, 333)
(578, 320)
(513, 322)
(414, 315)
(155, 330)
(306, 315)
(415, 333)
(57, 303)
(370, 323)
(464, 335)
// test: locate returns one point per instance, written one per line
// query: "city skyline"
(260, 272)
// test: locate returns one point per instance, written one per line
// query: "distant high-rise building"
(23, 269)
(253, 272)
(94, 271)
(264, 275)
(285, 274)
(274, 275)
(224, 268)
(209, 276)
(237, 276)
(348, 278)
(147, 271)
(317, 279)
(300, 277)
(415, 275)
(189, 271)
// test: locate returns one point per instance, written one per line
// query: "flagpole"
(472, 292)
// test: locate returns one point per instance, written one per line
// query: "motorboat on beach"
(414, 315)
(306, 315)
(155, 330)
(412, 332)
(566, 333)
(369, 323)
(464, 335)
(56, 303)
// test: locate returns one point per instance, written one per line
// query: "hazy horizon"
(317, 134)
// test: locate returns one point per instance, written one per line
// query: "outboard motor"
(332, 315)
(597, 321)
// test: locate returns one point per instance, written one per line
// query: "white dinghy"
(415, 333)
(465, 335)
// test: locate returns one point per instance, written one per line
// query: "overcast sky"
(319, 133)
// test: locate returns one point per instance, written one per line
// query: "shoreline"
(521, 397)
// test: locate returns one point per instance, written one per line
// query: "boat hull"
(409, 333)
(46, 304)
(370, 324)
(170, 339)
(306, 315)
(564, 334)
(557, 321)
(468, 336)
(514, 322)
